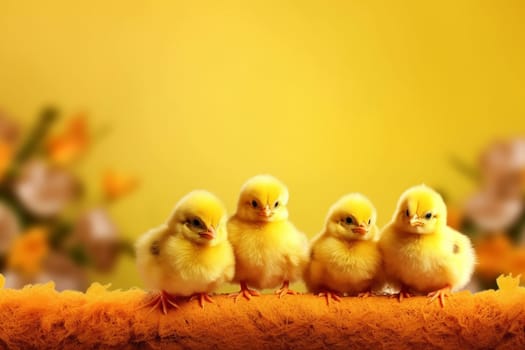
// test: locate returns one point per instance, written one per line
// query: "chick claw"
(364, 294)
(202, 297)
(285, 289)
(441, 294)
(403, 294)
(330, 295)
(162, 300)
(246, 292)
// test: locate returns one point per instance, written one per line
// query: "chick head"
(263, 198)
(420, 210)
(352, 217)
(199, 217)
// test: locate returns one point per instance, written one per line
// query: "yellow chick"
(268, 249)
(190, 254)
(344, 257)
(421, 253)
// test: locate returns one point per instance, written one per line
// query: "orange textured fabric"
(39, 317)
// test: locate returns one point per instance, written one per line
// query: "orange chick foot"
(329, 295)
(163, 301)
(440, 294)
(364, 294)
(403, 294)
(202, 297)
(245, 292)
(285, 289)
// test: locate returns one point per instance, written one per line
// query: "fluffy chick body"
(341, 260)
(424, 259)
(267, 254)
(175, 259)
(269, 249)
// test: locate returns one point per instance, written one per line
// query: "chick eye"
(276, 204)
(407, 213)
(428, 215)
(254, 203)
(196, 223)
(369, 221)
(349, 220)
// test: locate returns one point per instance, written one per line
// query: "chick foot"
(364, 294)
(246, 292)
(329, 295)
(403, 294)
(163, 301)
(202, 297)
(285, 289)
(441, 294)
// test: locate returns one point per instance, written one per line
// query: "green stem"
(464, 168)
(47, 117)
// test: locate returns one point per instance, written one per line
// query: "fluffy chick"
(190, 255)
(421, 253)
(268, 249)
(344, 257)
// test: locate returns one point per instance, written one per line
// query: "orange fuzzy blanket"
(39, 317)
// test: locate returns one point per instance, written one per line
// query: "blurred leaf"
(61, 231)
(469, 228)
(3, 261)
(464, 168)
(6, 156)
(47, 117)
(127, 248)
(24, 216)
(79, 255)
(517, 229)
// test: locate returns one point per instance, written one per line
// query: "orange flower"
(71, 144)
(116, 185)
(6, 155)
(28, 251)
(497, 255)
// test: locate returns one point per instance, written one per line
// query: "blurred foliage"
(48, 230)
(494, 216)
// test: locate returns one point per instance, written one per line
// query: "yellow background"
(330, 96)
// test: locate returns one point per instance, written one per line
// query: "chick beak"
(361, 229)
(209, 234)
(266, 212)
(415, 222)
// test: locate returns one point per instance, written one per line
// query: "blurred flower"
(493, 214)
(9, 228)
(100, 237)
(60, 269)
(14, 280)
(6, 155)
(503, 166)
(71, 144)
(40, 190)
(57, 268)
(28, 251)
(116, 185)
(494, 256)
(45, 190)
(497, 255)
